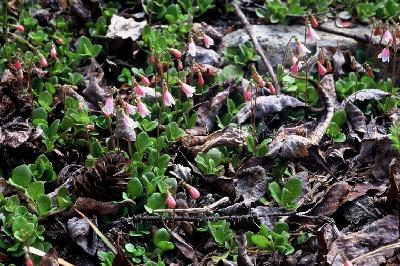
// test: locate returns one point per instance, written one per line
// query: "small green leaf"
(134, 188)
(43, 204)
(275, 192)
(21, 176)
(155, 201)
(142, 142)
(161, 235)
(35, 189)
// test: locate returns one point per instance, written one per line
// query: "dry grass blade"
(99, 233)
(40, 253)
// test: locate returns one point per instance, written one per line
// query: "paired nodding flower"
(108, 108)
(321, 69)
(191, 47)
(208, 41)
(53, 52)
(385, 55)
(247, 94)
(142, 108)
(301, 49)
(138, 89)
(186, 88)
(168, 100)
(311, 34)
(294, 68)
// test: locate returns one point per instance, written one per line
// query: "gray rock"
(125, 28)
(359, 32)
(205, 56)
(274, 39)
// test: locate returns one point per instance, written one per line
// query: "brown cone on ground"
(106, 179)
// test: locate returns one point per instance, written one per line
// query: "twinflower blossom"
(186, 88)
(208, 41)
(385, 55)
(108, 108)
(311, 34)
(142, 108)
(301, 50)
(191, 47)
(168, 100)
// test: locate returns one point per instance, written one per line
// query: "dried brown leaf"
(332, 200)
(356, 118)
(252, 183)
(380, 232)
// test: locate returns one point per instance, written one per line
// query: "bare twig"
(206, 209)
(196, 219)
(40, 253)
(257, 46)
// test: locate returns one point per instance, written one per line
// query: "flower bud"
(59, 41)
(314, 22)
(200, 79)
(271, 88)
(170, 201)
(43, 61)
(19, 28)
(193, 192)
(53, 52)
(145, 80)
(176, 53)
(152, 59)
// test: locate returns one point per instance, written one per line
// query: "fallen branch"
(257, 46)
(206, 209)
(40, 253)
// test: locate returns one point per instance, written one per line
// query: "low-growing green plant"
(135, 253)
(288, 195)
(222, 234)
(241, 55)
(20, 226)
(106, 258)
(334, 130)
(394, 136)
(257, 150)
(209, 162)
(275, 240)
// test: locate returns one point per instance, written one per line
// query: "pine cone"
(106, 179)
